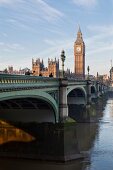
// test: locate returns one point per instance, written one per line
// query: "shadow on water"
(36, 165)
(87, 132)
(82, 113)
(46, 141)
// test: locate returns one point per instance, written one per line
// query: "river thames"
(94, 138)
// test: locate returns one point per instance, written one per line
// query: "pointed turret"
(79, 35)
(79, 30)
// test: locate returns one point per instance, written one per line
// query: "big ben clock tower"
(79, 55)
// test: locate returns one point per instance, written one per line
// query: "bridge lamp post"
(97, 75)
(63, 57)
(88, 69)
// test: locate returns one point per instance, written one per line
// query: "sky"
(42, 28)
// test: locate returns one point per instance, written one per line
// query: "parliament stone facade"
(38, 68)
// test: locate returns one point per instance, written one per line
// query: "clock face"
(78, 49)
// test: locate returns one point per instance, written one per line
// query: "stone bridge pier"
(99, 89)
(88, 92)
(63, 107)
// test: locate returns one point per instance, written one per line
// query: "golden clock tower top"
(79, 36)
(79, 55)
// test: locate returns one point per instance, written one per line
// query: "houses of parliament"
(38, 68)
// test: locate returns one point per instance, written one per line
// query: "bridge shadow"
(37, 165)
(83, 114)
(21, 132)
(46, 141)
(110, 94)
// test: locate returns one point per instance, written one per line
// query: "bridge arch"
(76, 100)
(35, 94)
(79, 92)
(93, 89)
(99, 88)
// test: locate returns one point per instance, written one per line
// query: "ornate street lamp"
(63, 57)
(97, 75)
(88, 69)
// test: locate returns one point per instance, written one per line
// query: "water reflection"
(10, 133)
(82, 113)
(86, 134)
(102, 152)
(36, 165)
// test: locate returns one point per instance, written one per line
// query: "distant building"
(69, 74)
(103, 78)
(90, 77)
(24, 71)
(111, 76)
(38, 68)
(10, 70)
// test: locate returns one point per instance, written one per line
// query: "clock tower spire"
(79, 55)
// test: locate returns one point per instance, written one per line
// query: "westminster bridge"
(50, 98)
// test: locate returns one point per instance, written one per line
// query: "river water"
(95, 139)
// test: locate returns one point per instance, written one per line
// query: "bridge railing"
(73, 81)
(18, 82)
(8, 82)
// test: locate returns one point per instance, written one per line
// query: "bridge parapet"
(9, 82)
(77, 82)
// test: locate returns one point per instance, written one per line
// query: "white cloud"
(36, 9)
(49, 42)
(102, 38)
(1, 43)
(7, 2)
(85, 3)
(56, 47)
(101, 28)
(10, 47)
(99, 48)
(4, 34)
(49, 12)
